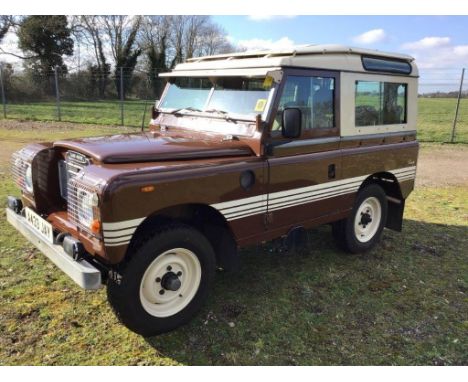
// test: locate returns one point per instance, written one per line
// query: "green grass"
(435, 119)
(403, 303)
(53, 132)
(435, 116)
(99, 112)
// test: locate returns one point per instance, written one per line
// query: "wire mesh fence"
(124, 97)
(443, 106)
(108, 98)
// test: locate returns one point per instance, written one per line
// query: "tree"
(5, 24)
(213, 40)
(169, 40)
(154, 42)
(195, 26)
(122, 35)
(194, 36)
(48, 39)
(90, 30)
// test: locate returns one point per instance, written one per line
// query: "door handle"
(331, 171)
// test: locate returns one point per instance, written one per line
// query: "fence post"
(3, 92)
(121, 97)
(452, 138)
(57, 94)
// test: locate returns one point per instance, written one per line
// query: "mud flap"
(396, 209)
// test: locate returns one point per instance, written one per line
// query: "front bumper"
(82, 272)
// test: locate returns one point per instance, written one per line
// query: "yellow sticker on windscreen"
(260, 105)
(267, 82)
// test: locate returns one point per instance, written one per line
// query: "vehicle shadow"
(317, 305)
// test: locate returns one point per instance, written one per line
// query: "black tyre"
(363, 228)
(165, 282)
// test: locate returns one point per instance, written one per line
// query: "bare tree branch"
(18, 56)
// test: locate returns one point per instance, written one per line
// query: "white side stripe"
(117, 244)
(236, 203)
(118, 239)
(312, 199)
(123, 232)
(404, 169)
(121, 225)
(241, 208)
(315, 188)
(120, 233)
(301, 192)
(244, 207)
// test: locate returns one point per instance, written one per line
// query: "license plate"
(40, 225)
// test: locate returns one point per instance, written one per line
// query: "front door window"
(314, 96)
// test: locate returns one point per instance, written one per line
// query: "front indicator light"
(147, 189)
(95, 226)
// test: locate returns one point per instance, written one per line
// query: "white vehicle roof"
(258, 63)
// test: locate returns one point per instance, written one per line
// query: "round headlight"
(28, 182)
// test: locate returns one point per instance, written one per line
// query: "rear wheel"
(165, 282)
(363, 228)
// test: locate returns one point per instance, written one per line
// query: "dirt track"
(438, 164)
(442, 165)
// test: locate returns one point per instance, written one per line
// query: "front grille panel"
(73, 168)
(70, 167)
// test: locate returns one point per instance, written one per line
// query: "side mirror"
(292, 121)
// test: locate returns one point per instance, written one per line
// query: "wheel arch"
(209, 221)
(395, 199)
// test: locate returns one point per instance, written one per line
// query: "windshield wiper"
(218, 111)
(214, 111)
(177, 111)
(222, 112)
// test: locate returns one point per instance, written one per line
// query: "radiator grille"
(69, 168)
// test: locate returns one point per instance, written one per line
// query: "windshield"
(224, 95)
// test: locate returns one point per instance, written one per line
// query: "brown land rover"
(242, 148)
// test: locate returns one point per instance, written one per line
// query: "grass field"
(99, 112)
(435, 117)
(403, 303)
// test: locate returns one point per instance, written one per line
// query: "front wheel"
(165, 281)
(363, 228)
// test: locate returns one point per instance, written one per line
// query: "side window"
(314, 96)
(380, 103)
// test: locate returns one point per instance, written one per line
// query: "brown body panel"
(306, 166)
(212, 181)
(152, 147)
(220, 182)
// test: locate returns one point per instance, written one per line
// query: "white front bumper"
(83, 273)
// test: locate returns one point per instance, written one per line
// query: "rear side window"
(383, 65)
(380, 103)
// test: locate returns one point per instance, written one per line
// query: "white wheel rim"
(181, 262)
(364, 229)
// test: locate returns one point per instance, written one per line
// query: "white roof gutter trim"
(248, 72)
